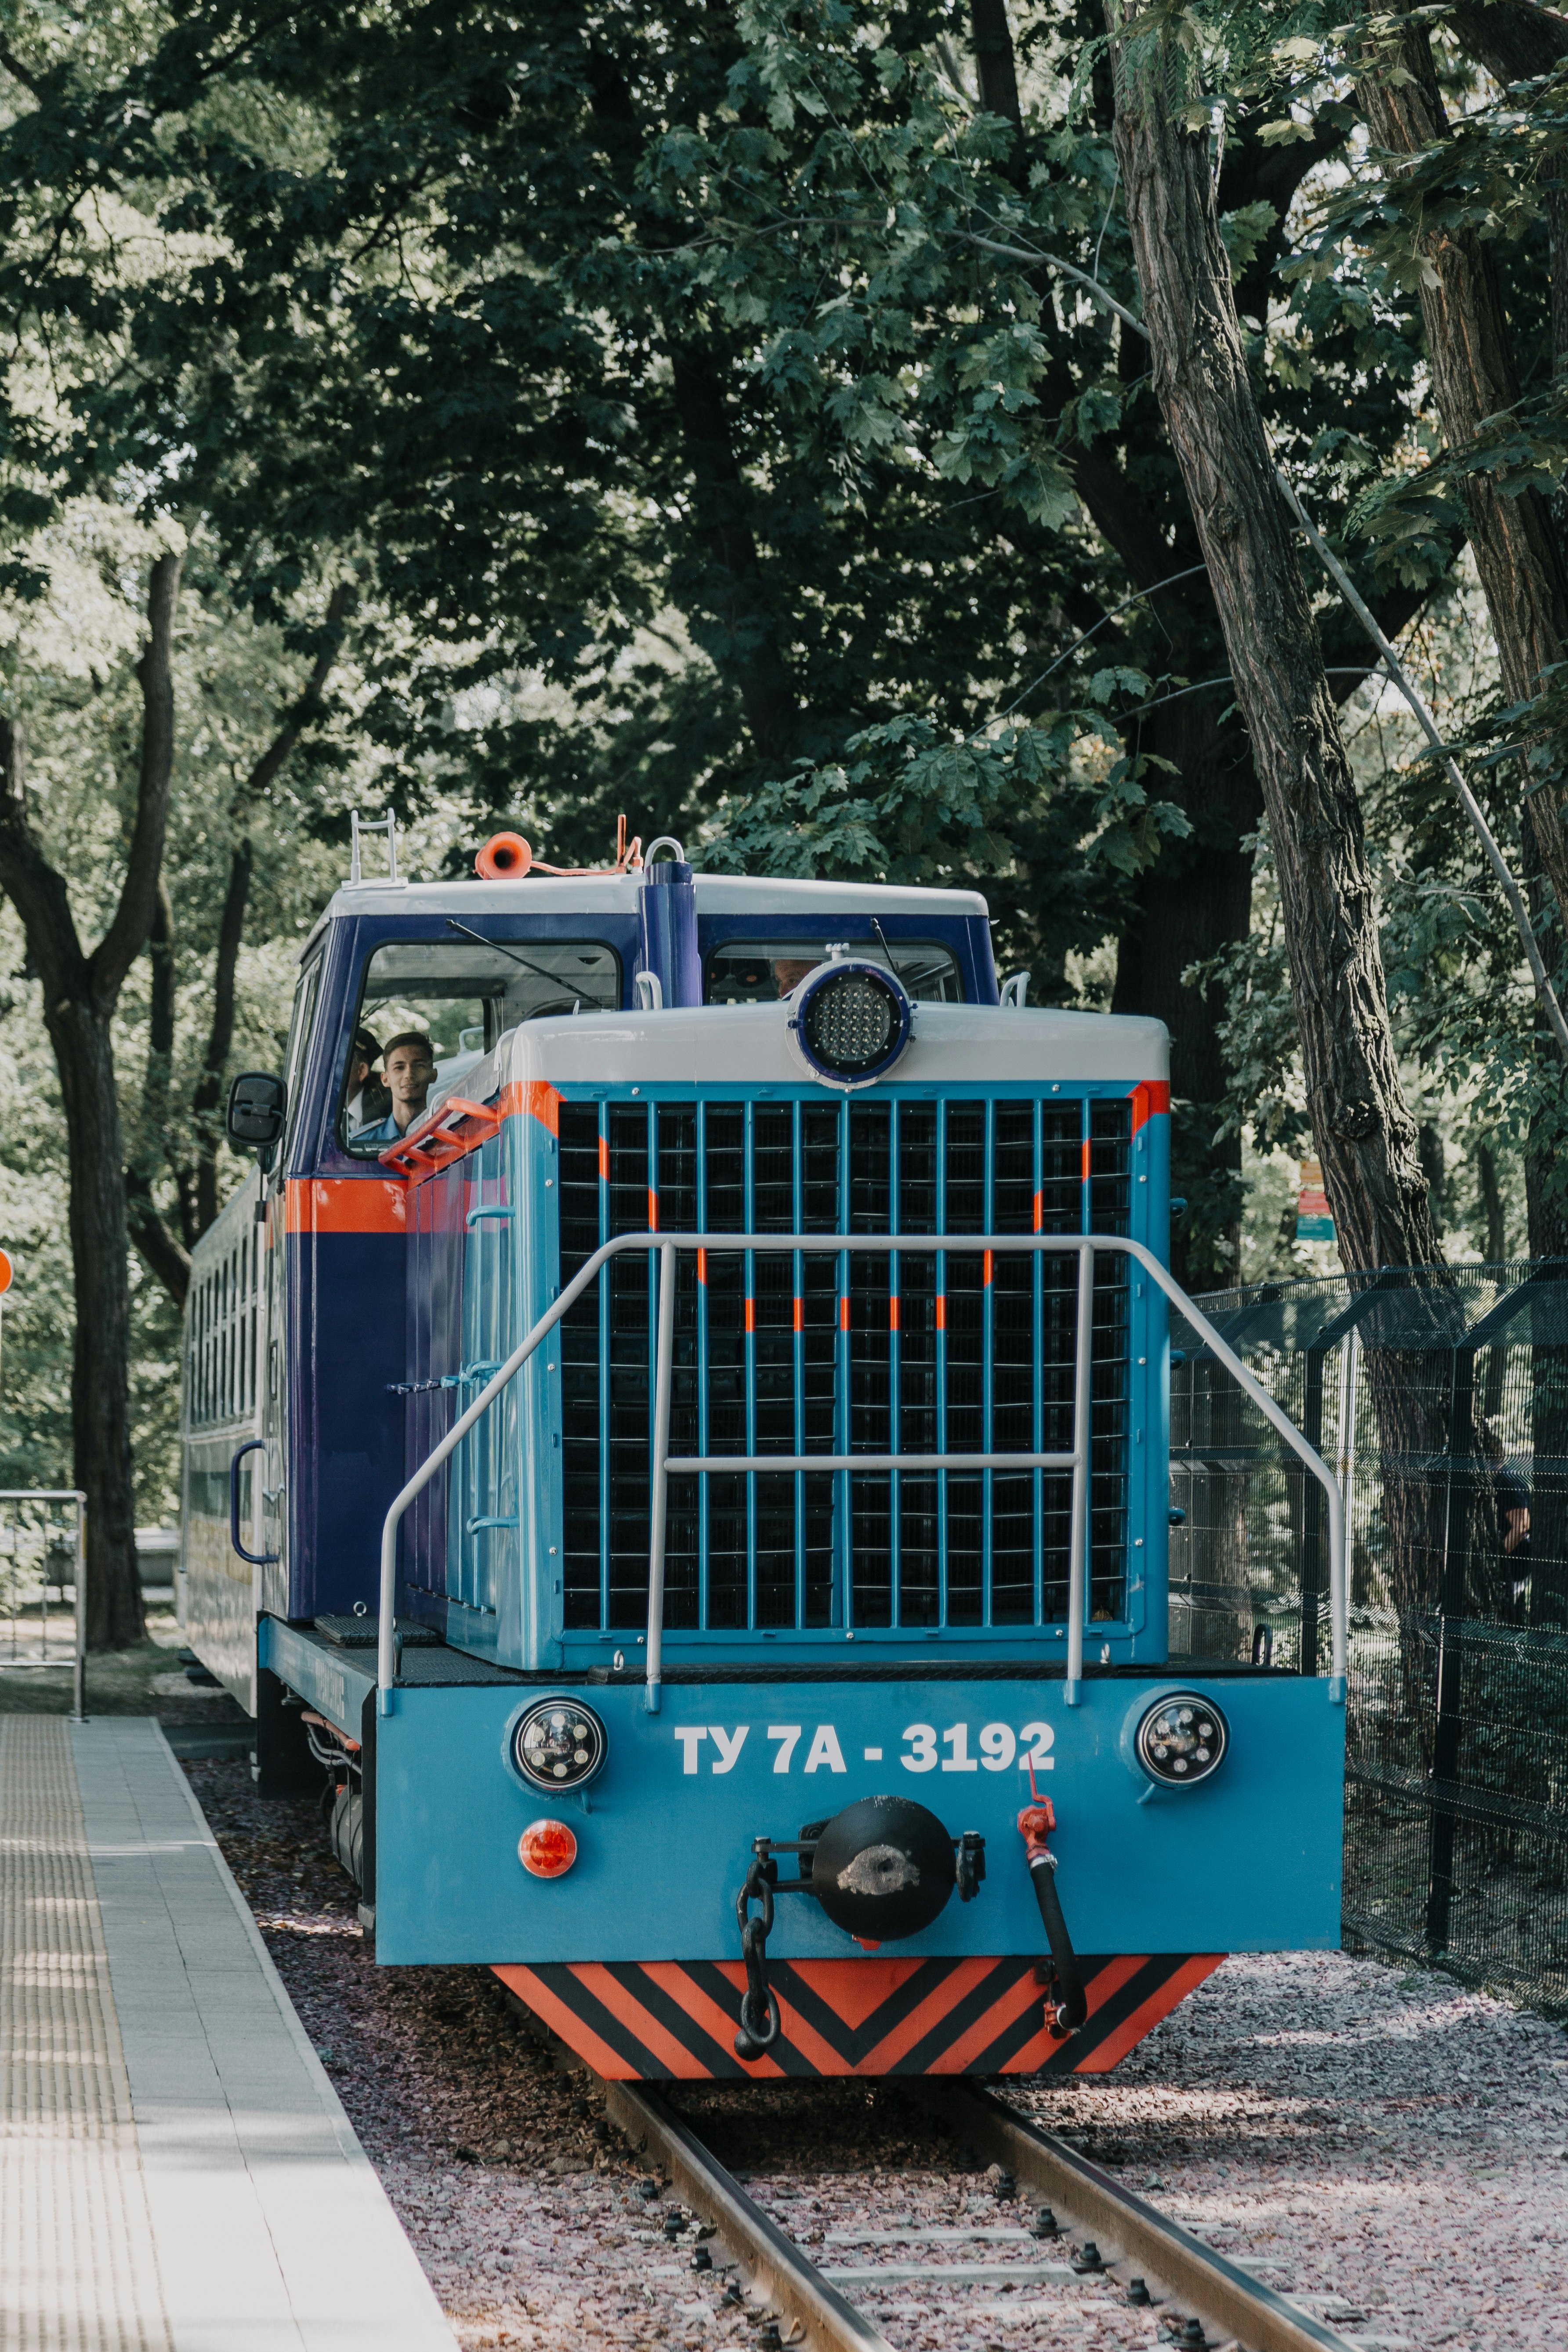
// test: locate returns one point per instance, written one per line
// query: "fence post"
(1449, 1724)
(78, 1711)
(1312, 1510)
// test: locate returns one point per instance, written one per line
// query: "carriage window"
(463, 995)
(759, 971)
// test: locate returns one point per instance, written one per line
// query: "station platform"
(176, 2171)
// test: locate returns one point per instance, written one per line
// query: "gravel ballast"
(1379, 2143)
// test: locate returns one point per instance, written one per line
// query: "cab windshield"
(430, 1009)
(759, 971)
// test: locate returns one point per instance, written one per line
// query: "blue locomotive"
(689, 1459)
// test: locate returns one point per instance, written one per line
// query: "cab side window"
(300, 1027)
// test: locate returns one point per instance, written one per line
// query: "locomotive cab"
(717, 1447)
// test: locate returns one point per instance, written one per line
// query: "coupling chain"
(761, 2020)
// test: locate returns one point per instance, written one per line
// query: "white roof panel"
(748, 1045)
(717, 894)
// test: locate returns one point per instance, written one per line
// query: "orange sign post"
(1314, 1219)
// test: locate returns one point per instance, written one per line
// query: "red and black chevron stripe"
(658, 2021)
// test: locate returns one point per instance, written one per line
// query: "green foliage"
(626, 363)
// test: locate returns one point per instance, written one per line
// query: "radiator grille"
(839, 1352)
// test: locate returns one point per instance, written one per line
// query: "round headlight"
(558, 1744)
(547, 1849)
(1182, 1740)
(852, 1021)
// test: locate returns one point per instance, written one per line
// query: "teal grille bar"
(844, 1356)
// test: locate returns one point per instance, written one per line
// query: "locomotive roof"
(592, 894)
(749, 1045)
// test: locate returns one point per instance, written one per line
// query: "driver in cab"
(409, 1064)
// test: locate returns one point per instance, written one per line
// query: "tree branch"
(209, 1085)
(127, 934)
(309, 702)
(165, 1257)
(168, 1258)
(36, 891)
(201, 1201)
(19, 71)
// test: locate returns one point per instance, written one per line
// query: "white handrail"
(1085, 1246)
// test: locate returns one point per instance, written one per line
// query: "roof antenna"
(886, 950)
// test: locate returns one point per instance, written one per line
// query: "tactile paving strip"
(76, 2267)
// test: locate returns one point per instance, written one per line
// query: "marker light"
(851, 1021)
(558, 1744)
(1182, 1740)
(547, 1849)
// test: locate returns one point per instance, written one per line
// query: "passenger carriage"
(702, 1494)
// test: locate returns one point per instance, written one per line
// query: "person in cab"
(408, 1066)
(368, 1099)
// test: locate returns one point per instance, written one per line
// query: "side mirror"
(253, 1122)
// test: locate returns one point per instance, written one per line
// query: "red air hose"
(1035, 1824)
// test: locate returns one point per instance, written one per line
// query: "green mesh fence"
(1442, 1403)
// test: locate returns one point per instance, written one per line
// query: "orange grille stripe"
(1086, 1163)
(604, 1159)
(566, 2024)
(1040, 1212)
(936, 2005)
(800, 1314)
(941, 1310)
(751, 1314)
(701, 1265)
(1150, 1100)
(652, 1210)
(844, 1314)
(1147, 2015)
(537, 1097)
(989, 1257)
(892, 1314)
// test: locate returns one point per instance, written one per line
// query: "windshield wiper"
(555, 978)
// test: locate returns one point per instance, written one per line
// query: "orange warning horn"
(505, 857)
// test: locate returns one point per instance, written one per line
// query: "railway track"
(1092, 2231)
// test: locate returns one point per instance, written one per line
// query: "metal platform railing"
(1086, 1247)
(25, 1576)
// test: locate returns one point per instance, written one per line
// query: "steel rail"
(795, 2287)
(1145, 2240)
(1086, 1247)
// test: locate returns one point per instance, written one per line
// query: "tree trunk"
(1364, 1133)
(1192, 903)
(1469, 349)
(1363, 1128)
(1195, 899)
(733, 620)
(80, 993)
(100, 1361)
(1491, 1205)
(726, 599)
